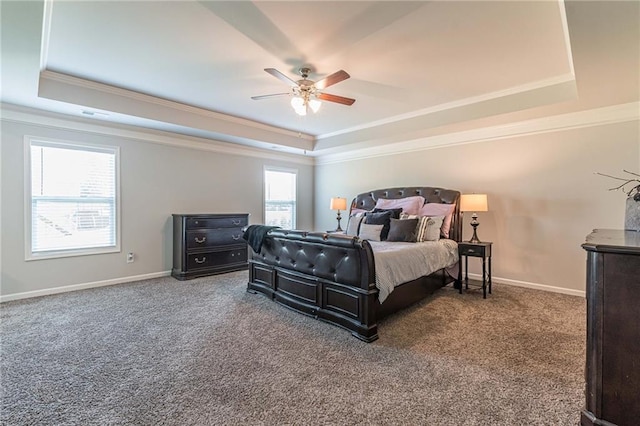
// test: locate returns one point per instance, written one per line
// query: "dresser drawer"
(217, 222)
(214, 237)
(216, 258)
(472, 250)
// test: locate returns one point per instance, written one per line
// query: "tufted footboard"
(330, 277)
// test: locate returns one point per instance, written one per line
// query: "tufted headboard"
(367, 201)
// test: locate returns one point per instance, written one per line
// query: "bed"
(332, 277)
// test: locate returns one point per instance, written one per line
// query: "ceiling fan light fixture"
(315, 105)
(297, 102)
(302, 103)
(307, 93)
(299, 105)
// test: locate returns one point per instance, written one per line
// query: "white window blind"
(73, 203)
(280, 198)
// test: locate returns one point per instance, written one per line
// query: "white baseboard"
(74, 287)
(536, 286)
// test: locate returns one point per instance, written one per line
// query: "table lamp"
(474, 203)
(338, 203)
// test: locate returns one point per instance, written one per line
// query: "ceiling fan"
(307, 93)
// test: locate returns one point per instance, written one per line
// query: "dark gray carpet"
(205, 352)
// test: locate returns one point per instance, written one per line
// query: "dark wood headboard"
(367, 201)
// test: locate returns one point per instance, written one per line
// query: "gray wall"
(543, 195)
(156, 181)
(543, 198)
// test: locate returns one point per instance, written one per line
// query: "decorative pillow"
(359, 211)
(404, 216)
(437, 209)
(381, 218)
(354, 224)
(428, 228)
(395, 213)
(403, 230)
(370, 232)
(409, 205)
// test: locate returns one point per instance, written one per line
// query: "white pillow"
(370, 232)
(429, 228)
(354, 224)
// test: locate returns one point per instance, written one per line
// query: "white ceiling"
(192, 67)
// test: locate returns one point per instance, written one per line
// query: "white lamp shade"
(315, 105)
(338, 203)
(473, 203)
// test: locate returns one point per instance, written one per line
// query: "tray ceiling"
(192, 67)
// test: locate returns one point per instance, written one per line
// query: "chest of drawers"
(612, 369)
(207, 244)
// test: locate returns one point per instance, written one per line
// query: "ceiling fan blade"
(335, 98)
(257, 98)
(277, 74)
(332, 79)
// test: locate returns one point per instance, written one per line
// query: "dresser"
(207, 244)
(612, 370)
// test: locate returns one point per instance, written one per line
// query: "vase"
(632, 215)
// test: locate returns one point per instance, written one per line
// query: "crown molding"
(137, 96)
(78, 91)
(574, 120)
(412, 127)
(565, 31)
(105, 88)
(44, 119)
(581, 119)
(529, 87)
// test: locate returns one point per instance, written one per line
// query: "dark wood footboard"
(329, 277)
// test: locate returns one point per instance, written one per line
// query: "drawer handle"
(201, 261)
(233, 254)
(470, 251)
(236, 222)
(236, 237)
(200, 241)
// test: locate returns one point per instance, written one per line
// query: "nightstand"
(482, 250)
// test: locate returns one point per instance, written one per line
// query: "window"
(280, 197)
(72, 199)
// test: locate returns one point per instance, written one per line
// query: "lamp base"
(339, 229)
(474, 225)
(474, 237)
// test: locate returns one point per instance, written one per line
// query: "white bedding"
(397, 263)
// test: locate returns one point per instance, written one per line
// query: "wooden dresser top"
(613, 241)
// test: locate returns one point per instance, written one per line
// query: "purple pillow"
(437, 209)
(356, 211)
(409, 205)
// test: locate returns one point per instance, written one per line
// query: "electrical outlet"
(130, 257)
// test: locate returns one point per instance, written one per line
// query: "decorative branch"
(634, 191)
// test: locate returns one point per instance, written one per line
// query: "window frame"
(264, 191)
(28, 200)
